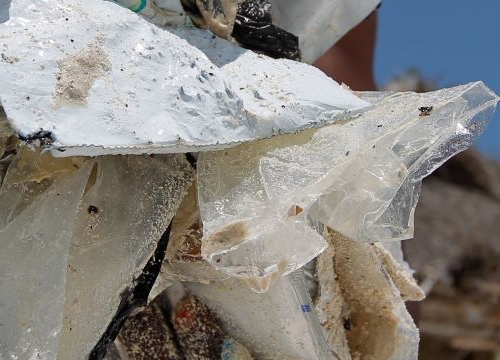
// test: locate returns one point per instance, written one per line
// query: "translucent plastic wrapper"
(360, 177)
(33, 262)
(279, 324)
(136, 198)
(76, 236)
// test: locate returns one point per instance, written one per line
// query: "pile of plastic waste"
(251, 207)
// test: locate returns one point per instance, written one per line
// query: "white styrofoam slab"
(102, 80)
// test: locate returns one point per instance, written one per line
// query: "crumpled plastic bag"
(254, 29)
(361, 177)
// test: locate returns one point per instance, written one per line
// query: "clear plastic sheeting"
(33, 270)
(261, 249)
(30, 174)
(78, 233)
(360, 177)
(276, 325)
(136, 198)
(102, 80)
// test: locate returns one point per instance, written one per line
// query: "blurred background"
(448, 42)
(424, 45)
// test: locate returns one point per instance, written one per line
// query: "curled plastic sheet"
(102, 80)
(360, 177)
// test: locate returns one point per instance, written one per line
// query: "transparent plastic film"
(35, 245)
(128, 204)
(361, 176)
(278, 324)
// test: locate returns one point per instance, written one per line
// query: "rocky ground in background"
(456, 252)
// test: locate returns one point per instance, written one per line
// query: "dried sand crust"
(359, 301)
(404, 281)
(78, 72)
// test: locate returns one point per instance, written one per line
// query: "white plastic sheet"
(319, 23)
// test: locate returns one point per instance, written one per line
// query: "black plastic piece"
(133, 298)
(43, 136)
(254, 30)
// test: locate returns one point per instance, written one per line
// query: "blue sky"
(452, 42)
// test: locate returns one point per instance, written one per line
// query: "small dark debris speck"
(283, 106)
(72, 40)
(379, 126)
(27, 98)
(373, 146)
(93, 209)
(425, 110)
(126, 105)
(347, 153)
(211, 73)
